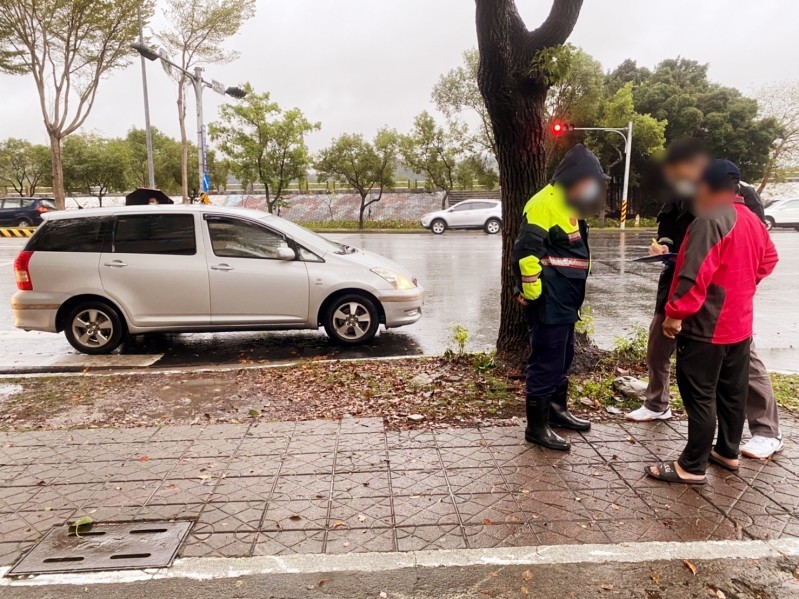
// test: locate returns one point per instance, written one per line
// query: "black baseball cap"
(722, 175)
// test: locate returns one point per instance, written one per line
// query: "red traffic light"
(558, 128)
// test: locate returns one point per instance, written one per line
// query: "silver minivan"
(101, 274)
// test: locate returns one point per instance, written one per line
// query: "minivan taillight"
(42, 209)
(22, 272)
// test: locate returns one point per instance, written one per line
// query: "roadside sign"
(165, 61)
(218, 87)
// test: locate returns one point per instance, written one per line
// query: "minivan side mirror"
(286, 254)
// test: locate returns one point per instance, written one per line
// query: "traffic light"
(559, 128)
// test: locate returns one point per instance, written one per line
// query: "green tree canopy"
(166, 160)
(96, 166)
(678, 91)
(24, 166)
(264, 143)
(367, 167)
(434, 152)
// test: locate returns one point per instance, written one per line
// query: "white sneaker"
(762, 448)
(644, 414)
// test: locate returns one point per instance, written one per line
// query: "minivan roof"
(203, 208)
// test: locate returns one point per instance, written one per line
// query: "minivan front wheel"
(351, 320)
(770, 223)
(493, 226)
(94, 327)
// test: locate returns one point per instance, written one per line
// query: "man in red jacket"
(726, 253)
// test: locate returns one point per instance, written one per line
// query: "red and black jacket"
(723, 258)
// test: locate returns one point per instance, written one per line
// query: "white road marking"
(208, 568)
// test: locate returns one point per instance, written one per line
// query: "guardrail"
(17, 232)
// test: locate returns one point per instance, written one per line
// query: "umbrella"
(142, 196)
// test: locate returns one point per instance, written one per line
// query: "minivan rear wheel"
(351, 320)
(94, 327)
(24, 222)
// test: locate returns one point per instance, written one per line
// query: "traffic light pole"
(627, 135)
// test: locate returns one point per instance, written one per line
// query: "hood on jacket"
(577, 164)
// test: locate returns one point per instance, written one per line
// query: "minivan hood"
(372, 260)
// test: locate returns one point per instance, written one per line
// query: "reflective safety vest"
(551, 257)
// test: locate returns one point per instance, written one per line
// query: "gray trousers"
(761, 405)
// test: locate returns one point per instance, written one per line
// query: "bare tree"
(68, 47)
(196, 33)
(517, 68)
(781, 103)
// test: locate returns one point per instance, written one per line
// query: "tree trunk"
(770, 167)
(360, 214)
(184, 143)
(521, 155)
(515, 95)
(59, 193)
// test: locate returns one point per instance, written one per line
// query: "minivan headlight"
(396, 280)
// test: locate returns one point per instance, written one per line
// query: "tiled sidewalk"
(350, 486)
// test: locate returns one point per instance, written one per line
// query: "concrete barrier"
(17, 231)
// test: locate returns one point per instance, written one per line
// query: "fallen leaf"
(720, 594)
(614, 507)
(690, 566)
(253, 413)
(614, 410)
(361, 518)
(607, 587)
(524, 591)
(144, 458)
(338, 524)
(239, 583)
(415, 417)
(383, 595)
(322, 582)
(487, 521)
(527, 575)
(47, 509)
(295, 517)
(631, 440)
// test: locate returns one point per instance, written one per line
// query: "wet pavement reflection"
(460, 273)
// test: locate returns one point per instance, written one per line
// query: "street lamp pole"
(147, 130)
(198, 83)
(202, 153)
(627, 135)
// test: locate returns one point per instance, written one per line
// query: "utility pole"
(198, 83)
(147, 131)
(202, 154)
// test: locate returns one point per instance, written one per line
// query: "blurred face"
(708, 199)
(584, 195)
(683, 177)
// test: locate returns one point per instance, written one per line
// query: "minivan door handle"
(116, 264)
(221, 267)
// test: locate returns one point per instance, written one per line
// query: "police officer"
(552, 261)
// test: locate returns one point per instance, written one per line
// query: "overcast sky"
(356, 65)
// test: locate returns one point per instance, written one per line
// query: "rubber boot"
(559, 415)
(538, 430)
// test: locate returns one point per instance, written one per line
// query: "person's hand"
(672, 327)
(657, 249)
(522, 301)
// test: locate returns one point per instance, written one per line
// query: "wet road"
(460, 274)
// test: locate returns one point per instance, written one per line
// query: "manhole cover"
(116, 546)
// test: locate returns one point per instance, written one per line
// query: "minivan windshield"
(303, 235)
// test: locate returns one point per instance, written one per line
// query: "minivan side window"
(12, 203)
(69, 235)
(155, 234)
(464, 206)
(232, 238)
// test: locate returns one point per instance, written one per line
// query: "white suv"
(782, 213)
(469, 214)
(100, 274)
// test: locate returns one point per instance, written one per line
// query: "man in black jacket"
(685, 160)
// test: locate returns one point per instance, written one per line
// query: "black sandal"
(667, 472)
(719, 462)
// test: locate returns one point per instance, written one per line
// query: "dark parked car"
(23, 212)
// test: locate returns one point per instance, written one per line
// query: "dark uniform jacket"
(551, 257)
